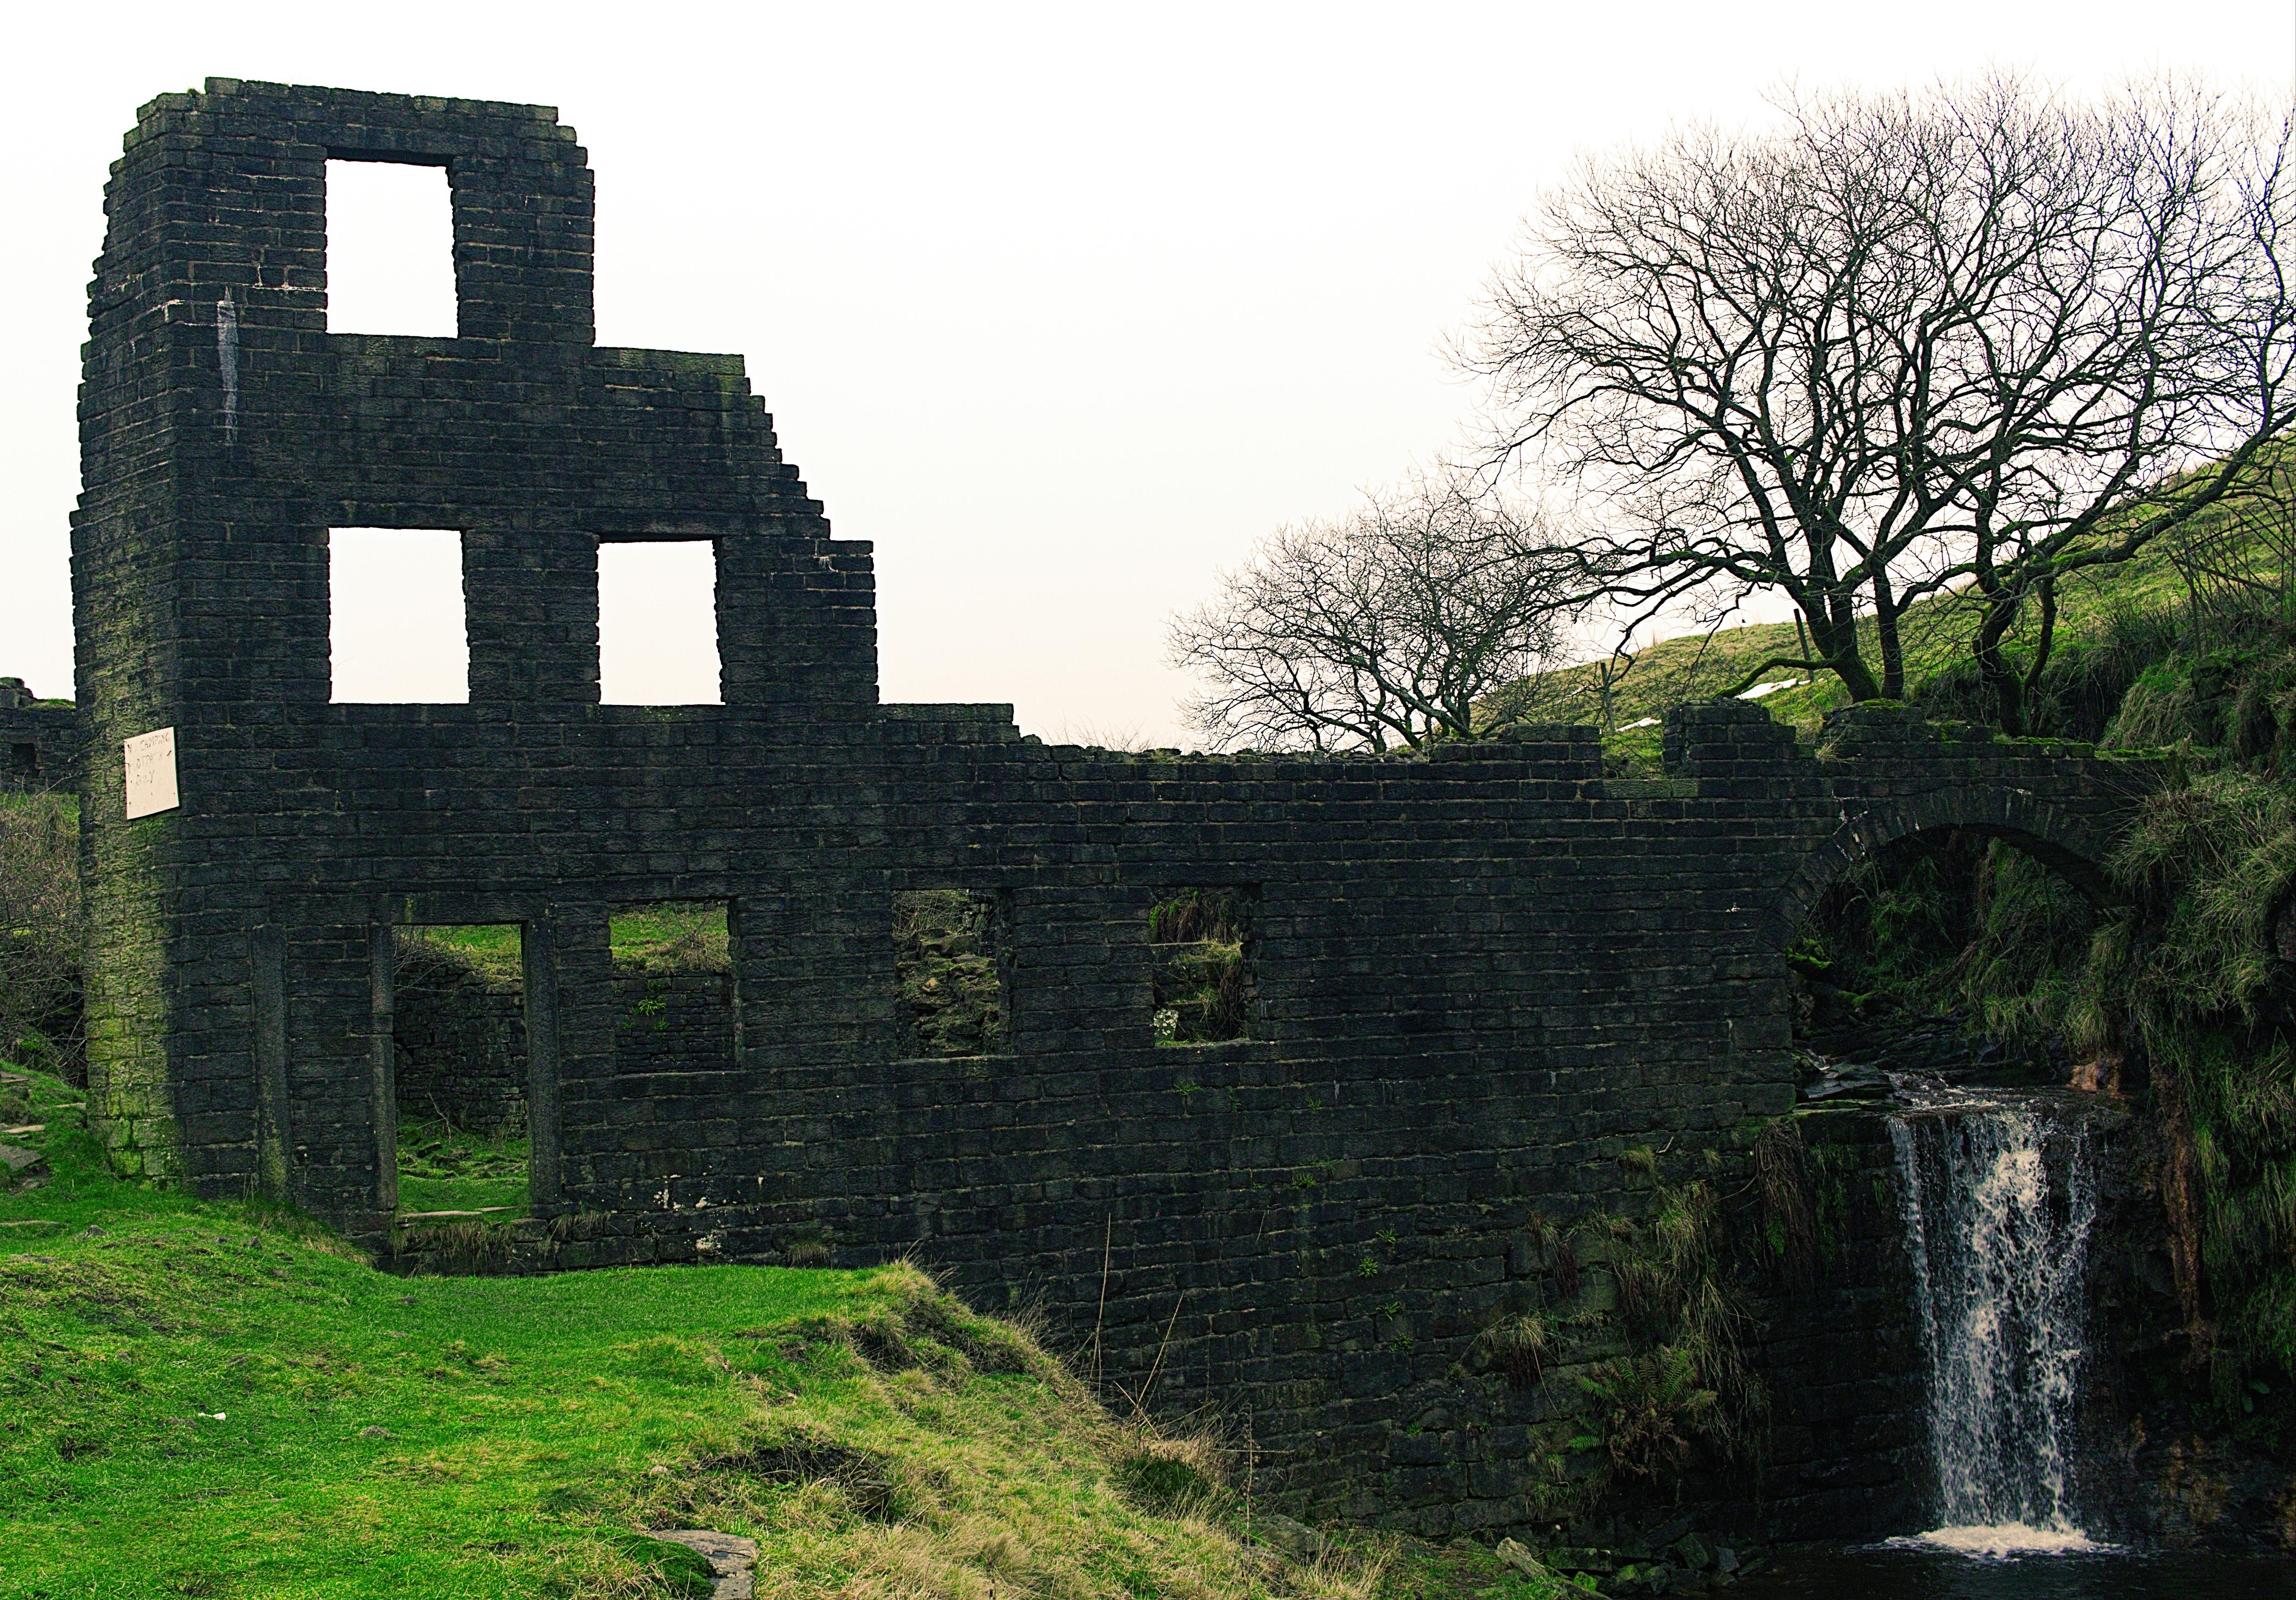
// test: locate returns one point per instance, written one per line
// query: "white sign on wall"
(152, 773)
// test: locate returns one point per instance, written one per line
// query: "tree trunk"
(1885, 634)
(1837, 641)
(2045, 594)
(2001, 680)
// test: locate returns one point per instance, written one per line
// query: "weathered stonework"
(459, 1050)
(40, 740)
(1479, 978)
(1849, 1447)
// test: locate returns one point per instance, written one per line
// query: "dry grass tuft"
(1178, 1475)
(1344, 1572)
(1789, 1224)
(1519, 1347)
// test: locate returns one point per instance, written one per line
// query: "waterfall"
(1998, 1197)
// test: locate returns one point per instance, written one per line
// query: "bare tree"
(1379, 630)
(1609, 673)
(1973, 338)
(1123, 737)
(1602, 661)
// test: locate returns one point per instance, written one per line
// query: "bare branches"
(1379, 630)
(1976, 338)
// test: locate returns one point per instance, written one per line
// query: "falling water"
(1998, 1200)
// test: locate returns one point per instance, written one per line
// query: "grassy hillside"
(2103, 615)
(221, 1399)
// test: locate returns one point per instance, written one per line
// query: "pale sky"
(1064, 307)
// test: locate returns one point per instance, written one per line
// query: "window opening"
(1202, 955)
(390, 250)
(396, 633)
(952, 960)
(673, 991)
(657, 624)
(24, 763)
(458, 1049)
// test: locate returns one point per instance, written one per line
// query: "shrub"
(42, 936)
(2197, 982)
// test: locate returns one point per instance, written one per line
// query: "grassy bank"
(2111, 622)
(221, 1399)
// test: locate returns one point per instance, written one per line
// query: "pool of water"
(1931, 1568)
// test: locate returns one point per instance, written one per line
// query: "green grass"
(494, 951)
(520, 1415)
(1935, 633)
(442, 1167)
(207, 1398)
(672, 936)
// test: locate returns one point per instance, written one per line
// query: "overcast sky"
(1063, 307)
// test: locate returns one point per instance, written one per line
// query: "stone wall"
(1849, 1448)
(460, 1050)
(39, 743)
(669, 1025)
(1478, 979)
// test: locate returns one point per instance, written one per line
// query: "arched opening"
(1953, 940)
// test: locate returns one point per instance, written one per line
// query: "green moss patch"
(946, 959)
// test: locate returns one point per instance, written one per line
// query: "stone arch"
(2071, 844)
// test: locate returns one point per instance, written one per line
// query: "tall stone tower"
(240, 876)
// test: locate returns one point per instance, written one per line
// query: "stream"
(1893, 1572)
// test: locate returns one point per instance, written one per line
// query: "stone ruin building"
(1474, 980)
(38, 743)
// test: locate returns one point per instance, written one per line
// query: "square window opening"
(24, 763)
(396, 631)
(677, 1006)
(390, 250)
(672, 936)
(657, 624)
(952, 963)
(1204, 949)
(459, 1057)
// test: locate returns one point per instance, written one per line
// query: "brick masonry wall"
(1481, 977)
